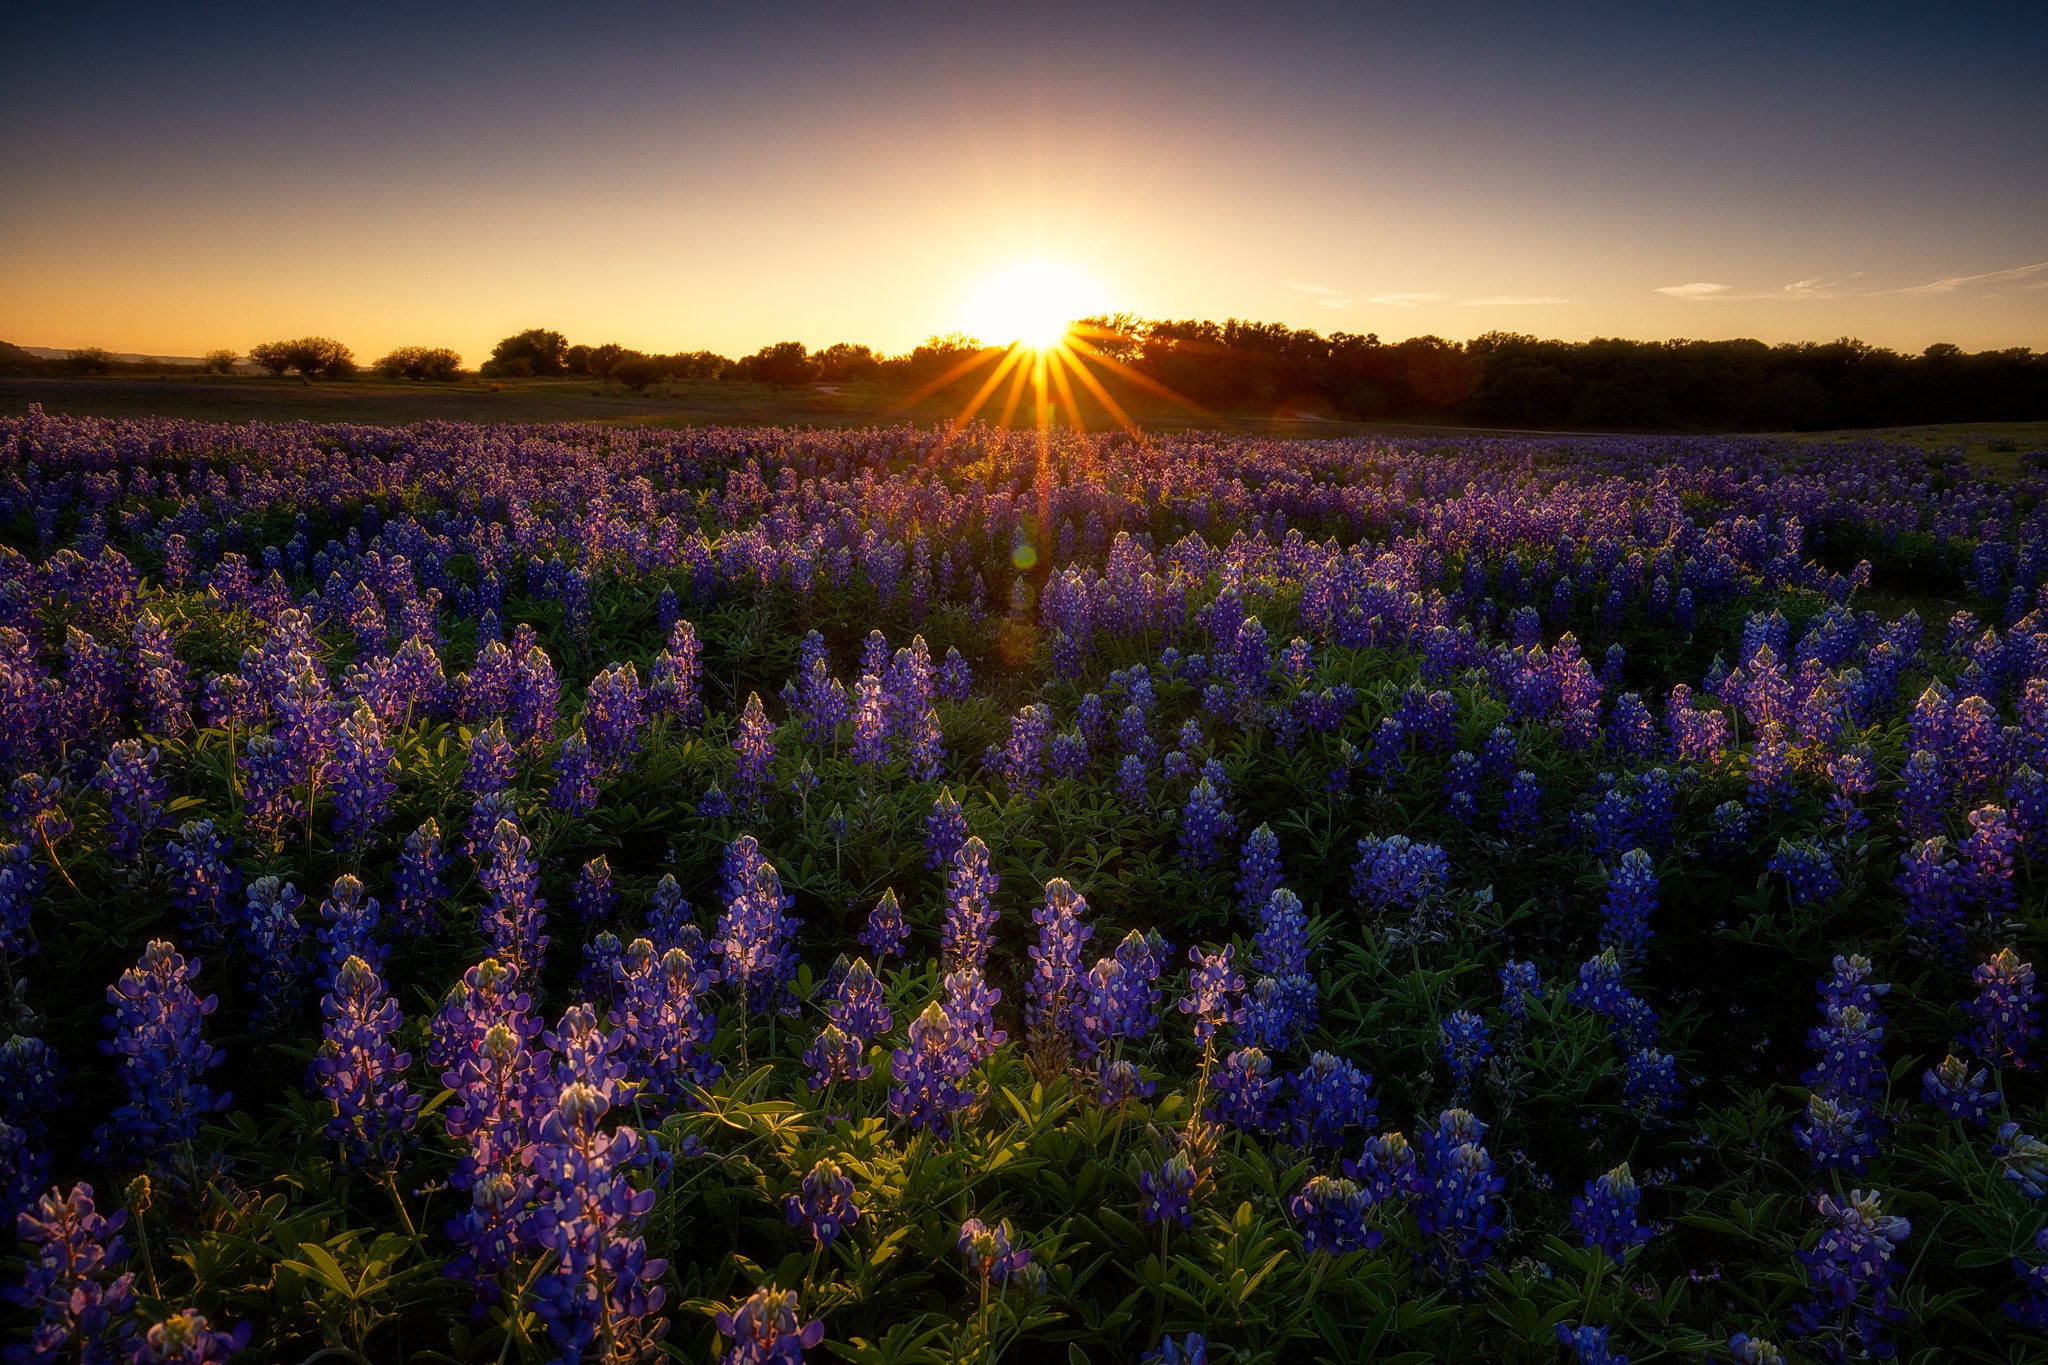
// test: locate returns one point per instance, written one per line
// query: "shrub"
(222, 361)
(419, 362)
(307, 355)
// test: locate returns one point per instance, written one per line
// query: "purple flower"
(835, 1056)
(1520, 982)
(885, 932)
(1119, 995)
(576, 777)
(614, 711)
(1605, 1215)
(988, 1252)
(158, 1024)
(1258, 870)
(1021, 761)
(1849, 1272)
(515, 914)
(755, 745)
(754, 934)
(927, 1071)
(1589, 1345)
(420, 889)
(348, 930)
(70, 1285)
(274, 939)
(1808, 872)
(1463, 1042)
(970, 913)
(1190, 1350)
(1203, 824)
(361, 773)
(135, 797)
(2005, 1011)
(859, 1005)
(2024, 1159)
(1053, 993)
(360, 1072)
(1215, 993)
(1328, 1097)
(204, 883)
(1956, 1091)
(21, 881)
(945, 830)
(823, 1204)
(1242, 1089)
(1452, 1188)
(1397, 873)
(765, 1331)
(666, 1032)
(1631, 898)
(1331, 1213)
(1168, 1191)
(593, 896)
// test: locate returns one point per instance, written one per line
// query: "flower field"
(497, 894)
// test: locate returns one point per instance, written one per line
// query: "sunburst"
(1034, 308)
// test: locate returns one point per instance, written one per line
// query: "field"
(600, 891)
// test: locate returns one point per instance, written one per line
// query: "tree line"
(1501, 379)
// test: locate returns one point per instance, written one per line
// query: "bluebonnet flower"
(135, 796)
(1730, 826)
(970, 1004)
(1189, 1350)
(885, 932)
(1520, 982)
(158, 1024)
(1396, 873)
(1131, 781)
(1631, 898)
(835, 1056)
(970, 913)
(2005, 1011)
(593, 896)
(516, 914)
(1242, 1089)
(1203, 824)
(1589, 1345)
(755, 746)
(349, 926)
(989, 1253)
(1021, 761)
(1386, 1168)
(945, 830)
(714, 804)
(1808, 872)
(576, 777)
(1843, 1119)
(204, 882)
(70, 1285)
(670, 921)
(667, 1033)
(955, 677)
(275, 938)
(21, 881)
(1326, 1098)
(361, 775)
(1168, 1191)
(1849, 1271)
(1119, 996)
(1521, 808)
(823, 1203)
(614, 710)
(2023, 1158)
(1600, 988)
(859, 1005)
(1649, 1083)
(1215, 994)
(30, 1079)
(927, 1072)
(1461, 786)
(754, 936)
(420, 889)
(870, 723)
(1744, 1349)
(1605, 1215)
(1053, 992)
(493, 762)
(673, 678)
(1956, 1091)
(2030, 1309)
(599, 1277)
(1282, 1007)
(1331, 1213)
(1258, 869)
(1463, 1041)
(1452, 1189)
(765, 1330)
(359, 1071)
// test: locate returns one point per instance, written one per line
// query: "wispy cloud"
(1955, 282)
(1701, 290)
(1511, 300)
(1328, 297)
(1406, 300)
(1322, 294)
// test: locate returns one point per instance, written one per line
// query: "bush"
(222, 361)
(784, 364)
(90, 360)
(307, 355)
(420, 362)
(637, 371)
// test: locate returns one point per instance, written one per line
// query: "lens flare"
(1031, 303)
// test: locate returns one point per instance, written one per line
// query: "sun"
(1031, 303)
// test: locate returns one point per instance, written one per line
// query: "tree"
(844, 362)
(308, 355)
(90, 360)
(420, 362)
(783, 364)
(535, 351)
(222, 361)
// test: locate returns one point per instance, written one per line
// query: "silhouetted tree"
(536, 351)
(222, 361)
(420, 362)
(785, 363)
(308, 355)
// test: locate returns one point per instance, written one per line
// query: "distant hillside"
(126, 357)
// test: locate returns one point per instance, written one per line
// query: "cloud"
(1406, 300)
(1694, 291)
(1808, 289)
(1323, 295)
(1511, 300)
(1955, 282)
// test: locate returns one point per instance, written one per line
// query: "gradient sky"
(674, 178)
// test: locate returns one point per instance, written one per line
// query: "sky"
(671, 177)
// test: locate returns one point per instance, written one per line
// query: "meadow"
(489, 892)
